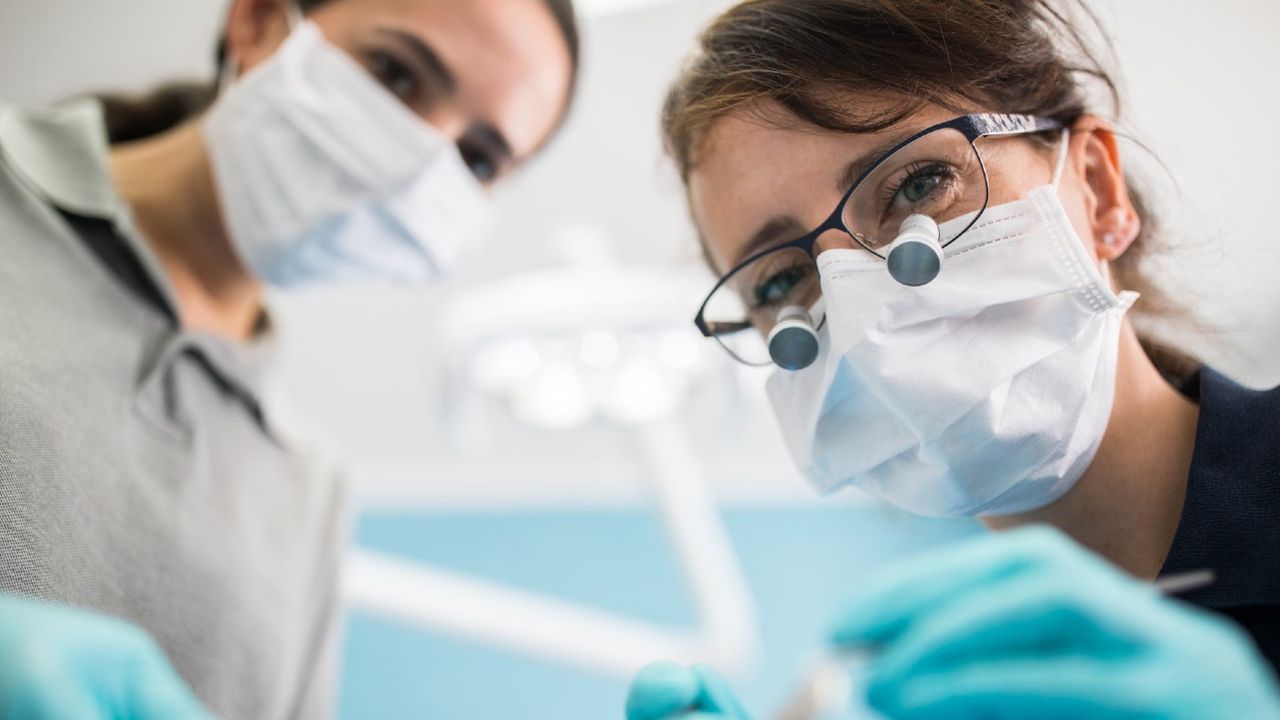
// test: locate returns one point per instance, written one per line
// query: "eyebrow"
(484, 133)
(853, 171)
(779, 229)
(427, 57)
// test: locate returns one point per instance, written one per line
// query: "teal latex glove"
(57, 663)
(666, 690)
(1026, 624)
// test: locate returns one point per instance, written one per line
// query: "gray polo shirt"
(144, 471)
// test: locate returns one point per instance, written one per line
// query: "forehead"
(509, 56)
(758, 163)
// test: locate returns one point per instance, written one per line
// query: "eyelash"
(481, 162)
(758, 304)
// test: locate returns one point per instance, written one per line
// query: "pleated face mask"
(325, 177)
(986, 391)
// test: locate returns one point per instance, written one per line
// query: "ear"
(255, 29)
(1111, 217)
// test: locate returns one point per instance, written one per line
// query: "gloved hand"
(667, 690)
(1026, 624)
(57, 663)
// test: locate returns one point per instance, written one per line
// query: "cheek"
(1014, 169)
(1014, 176)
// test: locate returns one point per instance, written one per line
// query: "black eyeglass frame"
(974, 127)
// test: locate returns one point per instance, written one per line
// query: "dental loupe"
(793, 342)
(915, 257)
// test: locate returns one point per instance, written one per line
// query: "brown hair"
(814, 57)
(131, 117)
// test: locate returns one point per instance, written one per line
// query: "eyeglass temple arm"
(998, 124)
(712, 328)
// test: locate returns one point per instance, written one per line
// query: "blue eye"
(481, 162)
(919, 186)
(776, 289)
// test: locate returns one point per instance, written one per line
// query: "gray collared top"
(142, 471)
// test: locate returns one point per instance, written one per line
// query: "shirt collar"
(62, 153)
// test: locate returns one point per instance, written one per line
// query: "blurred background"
(515, 426)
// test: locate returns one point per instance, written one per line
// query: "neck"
(1127, 505)
(167, 182)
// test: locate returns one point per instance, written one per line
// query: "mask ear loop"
(1062, 157)
(227, 75)
(293, 14)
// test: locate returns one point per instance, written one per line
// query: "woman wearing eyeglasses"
(922, 222)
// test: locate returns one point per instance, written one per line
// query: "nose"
(833, 240)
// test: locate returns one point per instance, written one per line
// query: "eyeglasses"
(939, 172)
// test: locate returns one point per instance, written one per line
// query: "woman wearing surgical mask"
(156, 514)
(923, 225)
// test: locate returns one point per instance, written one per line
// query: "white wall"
(53, 48)
(369, 366)
(1200, 95)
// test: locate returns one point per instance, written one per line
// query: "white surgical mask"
(986, 391)
(324, 176)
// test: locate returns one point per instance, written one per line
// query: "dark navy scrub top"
(1231, 520)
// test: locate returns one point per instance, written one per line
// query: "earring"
(1109, 240)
